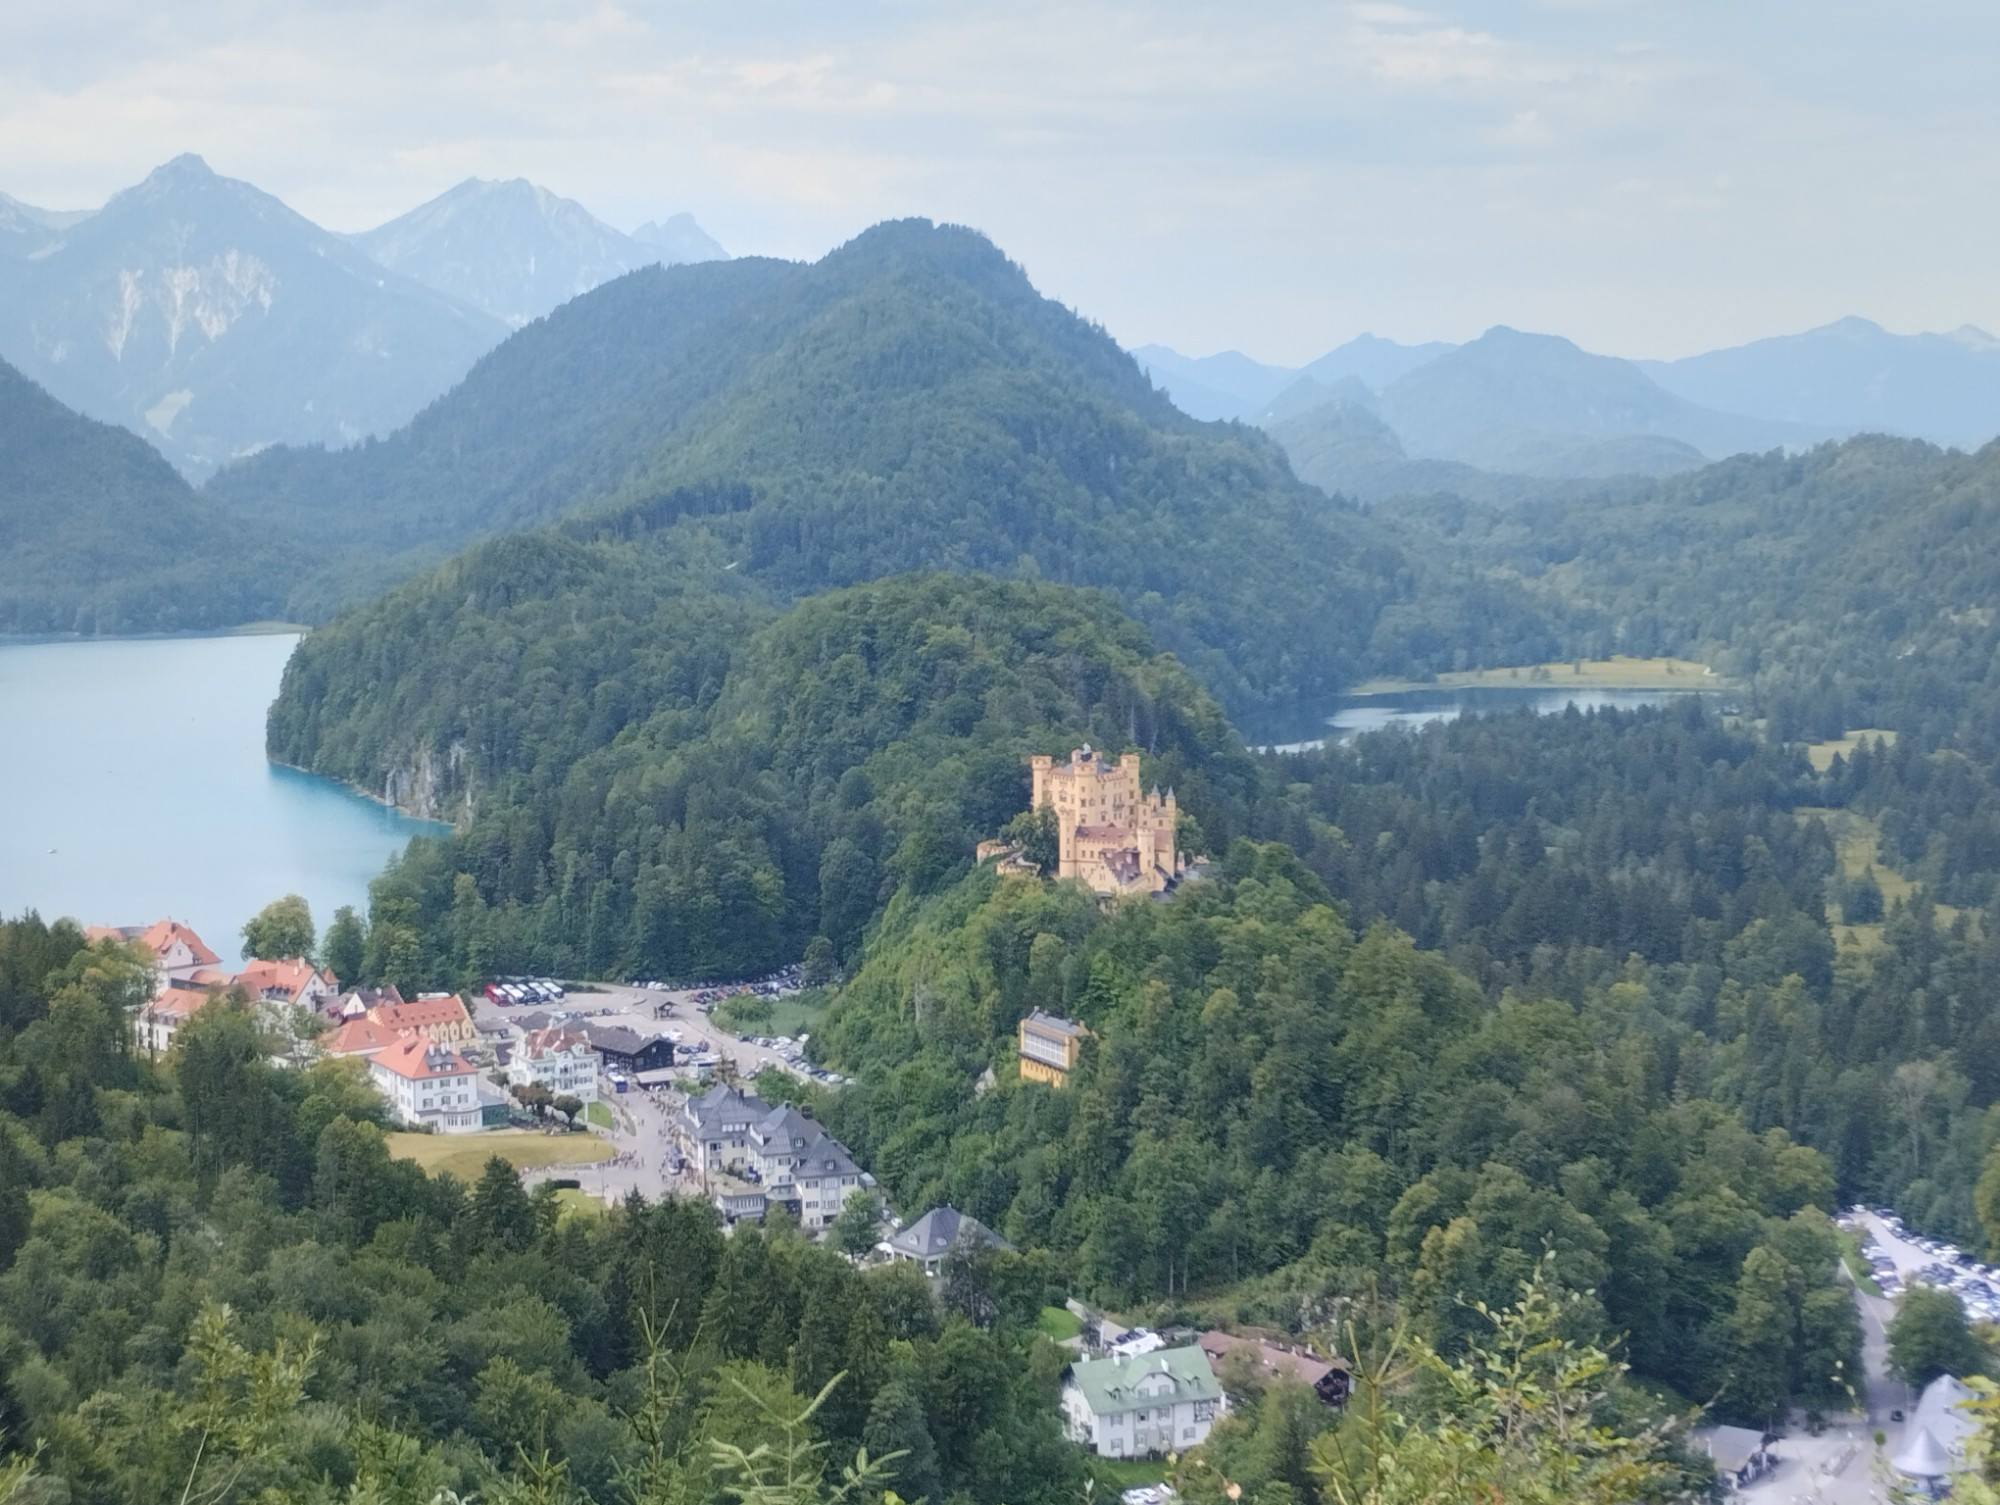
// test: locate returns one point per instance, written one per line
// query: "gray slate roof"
(940, 1230)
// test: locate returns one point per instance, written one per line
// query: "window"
(1187, 1434)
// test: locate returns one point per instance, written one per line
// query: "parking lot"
(649, 1011)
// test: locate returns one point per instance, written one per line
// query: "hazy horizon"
(1649, 180)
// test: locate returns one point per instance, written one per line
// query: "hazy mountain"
(208, 317)
(98, 533)
(1854, 376)
(516, 251)
(1374, 361)
(1231, 385)
(681, 240)
(1537, 405)
(26, 231)
(908, 402)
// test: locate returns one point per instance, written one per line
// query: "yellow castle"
(1114, 837)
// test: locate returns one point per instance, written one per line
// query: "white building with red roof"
(427, 1085)
(177, 952)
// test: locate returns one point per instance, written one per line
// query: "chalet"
(627, 1050)
(1266, 1360)
(360, 1000)
(360, 1036)
(930, 1240)
(1163, 1402)
(427, 1085)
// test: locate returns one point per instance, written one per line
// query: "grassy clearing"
(787, 1016)
(1857, 844)
(1822, 754)
(598, 1114)
(1616, 673)
(1850, 1255)
(1059, 1322)
(465, 1155)
(1129, 1473)
(579, 1204)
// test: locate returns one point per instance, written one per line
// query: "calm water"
(133, 786)
(1355, 714)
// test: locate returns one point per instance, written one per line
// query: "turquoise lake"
(133, 786)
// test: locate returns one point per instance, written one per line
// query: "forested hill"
(909, 402)
(98, 533)
(652, 783)
(1855, 586)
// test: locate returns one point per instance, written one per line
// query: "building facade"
(931, 1240)
(752, 1154)
(1164, 1402)
(427, 1085)
(1049, 1048)
(557, 1058)
(1110, 834)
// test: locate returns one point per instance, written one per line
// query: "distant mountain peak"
(188, 166)
(1973, 338)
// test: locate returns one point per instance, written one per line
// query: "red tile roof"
(421, 1013)
(291, 978)
(419, 1060)
(359, 1037)
(158, 937)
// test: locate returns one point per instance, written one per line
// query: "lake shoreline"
(244, 630)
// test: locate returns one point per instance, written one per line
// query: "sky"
(1649, 177)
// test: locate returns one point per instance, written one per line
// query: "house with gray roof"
(1138, 1407)
(754, 1154)
(929, 1241)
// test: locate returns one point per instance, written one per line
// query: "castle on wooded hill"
(1110, 834)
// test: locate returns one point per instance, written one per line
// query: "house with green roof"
(1161, 1402)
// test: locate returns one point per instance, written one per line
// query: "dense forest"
(908, 402)
(215, 1284)
(674, 790)
(99, 534)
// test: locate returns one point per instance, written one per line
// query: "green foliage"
(225, 1290)
(1929, 1336)
(798, 775)
(1526, 1414)
(281, 931)
(1268, 1098)
(98, 534)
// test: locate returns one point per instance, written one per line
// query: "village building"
(930, 1241)
(1049, 1048)
(1934, 1438)
(1740, 1454)
(1266, 1360)
(752, 1154)
(1138, 1407)
(644, 1058)
(177, 952)
(1110, 834)
(439, 1017)
(289, 984)
(556, 1057)
(428, 1085)
(167, 1010)
(359, 1036)
(359, 1001)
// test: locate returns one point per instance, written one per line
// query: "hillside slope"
(910, 402)
(98, 533)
